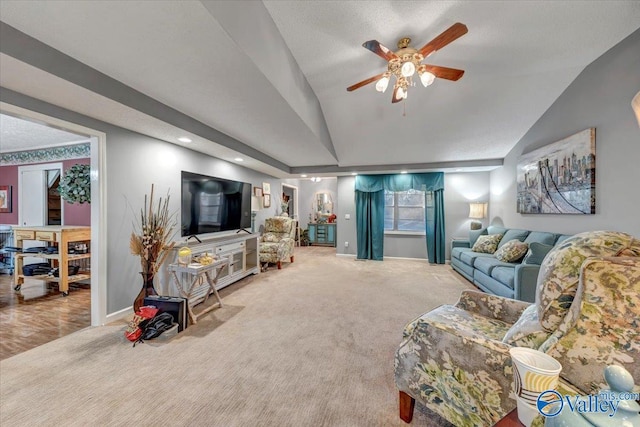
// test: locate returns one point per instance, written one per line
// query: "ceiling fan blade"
(379, 49)
(365, 82)
(444, 72)
(455, 31)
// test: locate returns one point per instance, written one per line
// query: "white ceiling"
(273, 75)
(17, 135)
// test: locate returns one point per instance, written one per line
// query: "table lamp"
(477, 210)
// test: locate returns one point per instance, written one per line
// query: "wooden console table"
(198, 273)
(59, 236)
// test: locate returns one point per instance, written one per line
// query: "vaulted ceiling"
(267, 80)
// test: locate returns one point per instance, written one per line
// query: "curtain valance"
(431, 181)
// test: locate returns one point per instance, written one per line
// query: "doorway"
(290, 195)
(97, 262)
(39, 202)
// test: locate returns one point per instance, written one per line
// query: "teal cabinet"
(322, 234)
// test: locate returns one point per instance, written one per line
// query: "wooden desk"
(59, 236)
(198, 272)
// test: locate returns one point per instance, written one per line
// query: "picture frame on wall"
(257, 191)
(5, 199)
(266, 188)
(266, 200)
(559, 178)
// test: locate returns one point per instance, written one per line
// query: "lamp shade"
(255, 203)
(635, 104)
(477, 210)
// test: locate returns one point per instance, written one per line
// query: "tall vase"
(147, 289)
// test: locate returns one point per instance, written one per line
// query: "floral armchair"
(278, 240)
(455, 359)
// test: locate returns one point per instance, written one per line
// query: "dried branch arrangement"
(151, 238)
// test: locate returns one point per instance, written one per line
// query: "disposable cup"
(533, 373)
(526, 412)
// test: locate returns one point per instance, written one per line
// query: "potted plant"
(151, 241)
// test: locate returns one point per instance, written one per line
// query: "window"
(404, 210)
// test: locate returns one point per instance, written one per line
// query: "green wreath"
(75, 184)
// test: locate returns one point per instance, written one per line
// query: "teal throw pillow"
(512, 251)
(487, 244)
(537, 252)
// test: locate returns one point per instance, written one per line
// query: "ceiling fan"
(404, 63)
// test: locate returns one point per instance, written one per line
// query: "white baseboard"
(448, 261)
(347, 255)
(118, 315)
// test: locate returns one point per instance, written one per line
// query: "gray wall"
(459, 190)
(346, 229)
(599, 97)
(134, 162)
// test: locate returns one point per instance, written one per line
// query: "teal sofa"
(515, 280)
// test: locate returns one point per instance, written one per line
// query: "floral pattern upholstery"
(278, 240)
(560, 270)
(455, 359)
(609, 288)
(487, 244)
(512, 251)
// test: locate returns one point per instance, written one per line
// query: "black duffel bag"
(155, 326)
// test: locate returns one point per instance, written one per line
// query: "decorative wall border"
(66, 152)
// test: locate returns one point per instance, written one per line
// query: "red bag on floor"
(133, 331)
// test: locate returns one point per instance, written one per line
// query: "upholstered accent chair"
(455, 359)
(278, 240)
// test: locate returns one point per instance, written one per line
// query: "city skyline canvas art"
(559, 178)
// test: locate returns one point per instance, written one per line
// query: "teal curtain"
(370, 224)
(371, 228)
(434, 226)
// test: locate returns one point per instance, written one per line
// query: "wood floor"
(38, 313)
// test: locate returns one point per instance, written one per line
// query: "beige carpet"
(309, 345)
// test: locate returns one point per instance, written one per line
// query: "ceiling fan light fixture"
(408, 69)
(404, 63)
(427, 78)
(382, 84)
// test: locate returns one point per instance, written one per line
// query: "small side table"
(510, 420)
(197, 272)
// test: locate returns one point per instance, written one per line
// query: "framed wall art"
(5, 198)
(266, 202)
(266, 188)
(257, 191)
(559, 178)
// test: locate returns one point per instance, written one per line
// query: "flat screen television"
(211, 204)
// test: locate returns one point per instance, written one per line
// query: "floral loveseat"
(278, 240)
(455, 358)
(512, 279)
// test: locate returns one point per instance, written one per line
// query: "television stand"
(239, 248)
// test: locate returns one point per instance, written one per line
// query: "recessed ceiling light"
(303, 176)
(403, 172)
(354, 173)
(458, 170)
(184, 139)
(239, 159)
